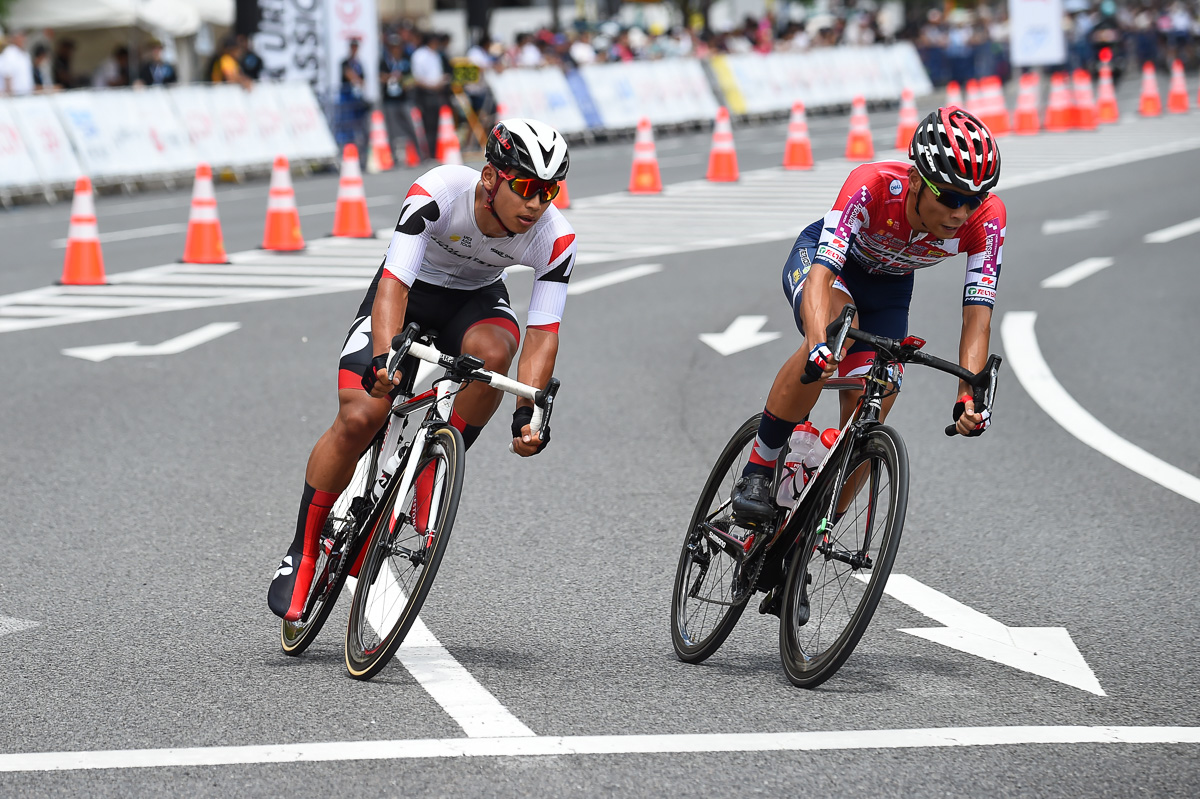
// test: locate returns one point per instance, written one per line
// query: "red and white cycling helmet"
(953, 147)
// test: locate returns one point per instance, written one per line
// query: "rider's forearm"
(536, 366)
(815, 304)
(973, 343)
(387, 314)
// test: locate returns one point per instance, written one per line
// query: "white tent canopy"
(172, 17)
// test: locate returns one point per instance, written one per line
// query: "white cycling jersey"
(439, 210)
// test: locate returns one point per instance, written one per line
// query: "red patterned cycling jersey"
(869, 228)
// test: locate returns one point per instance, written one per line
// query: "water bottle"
(385, 474)
(802, 440)
(819, 450)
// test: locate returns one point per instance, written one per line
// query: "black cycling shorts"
(451, 312)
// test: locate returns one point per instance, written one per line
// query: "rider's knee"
(497, 352)
(358, 422)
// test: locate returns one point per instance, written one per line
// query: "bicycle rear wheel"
(404, 550)
(835, 580)
(338, 549)
(711, 584)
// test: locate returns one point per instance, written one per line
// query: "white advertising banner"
(231, 109)
(45, 140)
(308, 133)
(165, 132)
(541, 94)
(346, 20)
(85, 128)
(1036, 33)
(667, 92)
(196, 115)
(16, 166)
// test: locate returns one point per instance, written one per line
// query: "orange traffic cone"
(83, 265)
(1106, 103)
(379, 157)
(411, 158)
(1085, 103)
(995, 110)
(859, 145)
(1177, 96)
(797, 150)
(448, 151)
(644, 178)
(1150, 104)
(350, 217)
(722, 158)
(908, 120)
(1058, 112)
(973, 98)
(418, 121)
(954, 95)
(204, 244)
(282, 231)
(1027, 106)
(563, 199)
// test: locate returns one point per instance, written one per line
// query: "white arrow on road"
(10, 625)
(742, 334)
(1045, 651)
(174, 346)
(1086, 222)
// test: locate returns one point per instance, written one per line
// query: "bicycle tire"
(824, 619)
(328, 578)
(694, 634)
(378, 624)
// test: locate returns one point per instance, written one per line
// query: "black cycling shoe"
(773, 602)
(752, 503)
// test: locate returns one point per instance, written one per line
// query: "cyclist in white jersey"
(444, 269)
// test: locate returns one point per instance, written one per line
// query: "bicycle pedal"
(771, 602)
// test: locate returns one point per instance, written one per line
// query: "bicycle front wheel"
(404, 551)
(337, 551)
(836, 578)
(711, 586)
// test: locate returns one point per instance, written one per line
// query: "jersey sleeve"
(985, 250)
(551, 274)
(425, 212)
(851, 211)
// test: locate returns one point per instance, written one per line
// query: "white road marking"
(690, 216)
(1073, 274)
(552, 746)
(134, 233)
(173, 346)
(1025, 357)
(1087, 221)
(453, 687)
(743, 333)
(10, 625)
(1173, 232)
(612, 278)
(1045, 651)
(318, 208)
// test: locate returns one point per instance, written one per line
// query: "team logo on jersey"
(501, 254)
(419, 210)
(895, 187)
(562, 259)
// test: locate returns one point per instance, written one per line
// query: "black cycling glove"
(986, 414)
(523, 416)
(369, 374)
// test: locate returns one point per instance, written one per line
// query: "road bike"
(823, 562)
(390, 528)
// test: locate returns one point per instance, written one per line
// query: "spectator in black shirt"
(251, 63)
(64, 51)
(155, 71)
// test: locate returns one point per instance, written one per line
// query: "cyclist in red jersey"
(890, 219)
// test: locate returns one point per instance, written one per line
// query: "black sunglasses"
(952, 199)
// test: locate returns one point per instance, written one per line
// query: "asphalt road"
(149, 499)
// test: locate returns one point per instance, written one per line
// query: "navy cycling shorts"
(882, 300)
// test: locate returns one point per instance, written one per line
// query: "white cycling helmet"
(529, 147)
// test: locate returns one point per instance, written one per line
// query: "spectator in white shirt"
(431, 80)
(581, 50)
(16, 67)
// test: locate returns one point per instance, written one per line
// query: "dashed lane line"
(1073, 274)
(580, 745)
(1025, 357)
(1173, 232)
